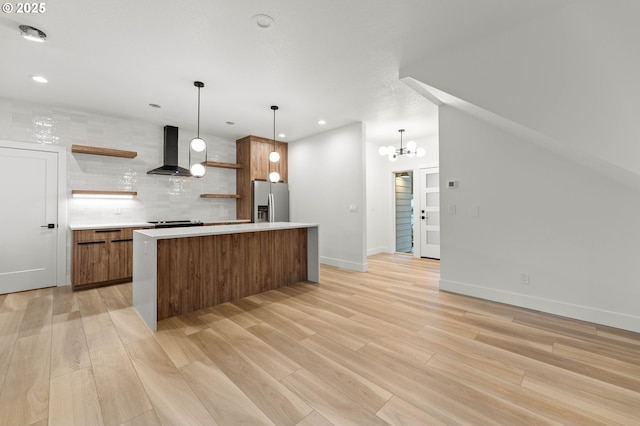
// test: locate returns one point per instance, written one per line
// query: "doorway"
(404, 211)
(31, 255)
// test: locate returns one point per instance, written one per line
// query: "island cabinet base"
(197, 272)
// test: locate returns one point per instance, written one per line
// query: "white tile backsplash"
(159, 197)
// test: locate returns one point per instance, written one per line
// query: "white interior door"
(430, 213)
(28, 250)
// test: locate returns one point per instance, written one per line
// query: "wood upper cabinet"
(102, 256)
(253, 153)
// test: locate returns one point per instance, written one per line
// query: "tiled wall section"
(159, 197)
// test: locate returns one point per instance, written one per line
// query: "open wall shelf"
(219, 196)
(98, 193)
(223, 165)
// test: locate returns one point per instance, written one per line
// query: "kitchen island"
(181, 270)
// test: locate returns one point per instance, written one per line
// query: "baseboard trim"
(579, 312)
(346, 264)
(378, 250)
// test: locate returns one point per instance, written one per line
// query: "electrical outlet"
(524, 278)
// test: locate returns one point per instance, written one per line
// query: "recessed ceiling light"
(282, 135)
(322, 122)
(32, 33)
(39, 79)
(155, 106)
(264, 22)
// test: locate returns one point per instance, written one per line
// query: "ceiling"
(334, 60)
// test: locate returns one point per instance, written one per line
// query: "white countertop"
(79, 227)
(199, 231)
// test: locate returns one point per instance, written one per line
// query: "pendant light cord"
(199, 85)
(198, 112)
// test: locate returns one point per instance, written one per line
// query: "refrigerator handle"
(272, 208)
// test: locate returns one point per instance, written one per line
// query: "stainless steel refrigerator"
(269, 200)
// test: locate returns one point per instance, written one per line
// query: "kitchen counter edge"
(200, 231)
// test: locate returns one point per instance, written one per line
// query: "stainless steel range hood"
(170, 150)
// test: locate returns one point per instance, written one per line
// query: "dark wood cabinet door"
(260, 160)
(120, 254)
(90, 262)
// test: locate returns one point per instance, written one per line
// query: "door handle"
(272, 208)
(49, 226)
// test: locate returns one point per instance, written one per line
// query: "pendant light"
(198, 147)
(410, 151)
(274, 156)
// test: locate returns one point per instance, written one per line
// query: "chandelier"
(410, 150)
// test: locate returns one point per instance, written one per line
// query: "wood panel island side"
(181, 270)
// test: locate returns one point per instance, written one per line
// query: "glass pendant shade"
(411, 145)
(197, 170)
(274, 157)
(420, 152)
(382, 150)
(198, 145)
(274, 177)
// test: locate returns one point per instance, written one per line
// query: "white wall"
(570, 75)
(576, 232)
(326, 177)
(379, 203)
(380, 191)
(560, 200)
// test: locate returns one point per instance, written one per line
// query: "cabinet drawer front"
(102, 234)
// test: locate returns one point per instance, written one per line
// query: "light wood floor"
(383, 347)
